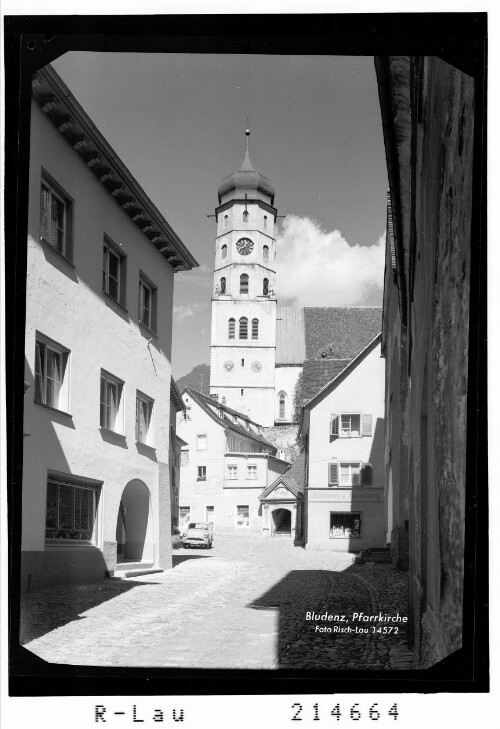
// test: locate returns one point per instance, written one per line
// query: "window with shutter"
(334, 425)
(333, 474)
(366, 424)
(366, 474)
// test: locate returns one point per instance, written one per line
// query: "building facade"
(342, 432)
(225, 467)
(100, 277)
(428, 112)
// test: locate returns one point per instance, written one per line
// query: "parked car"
(198, 534)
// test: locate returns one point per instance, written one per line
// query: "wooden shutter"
(333, 474)
(366, 474)
(366, 424)
(334, 425)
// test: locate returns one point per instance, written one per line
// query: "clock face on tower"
(244, 246)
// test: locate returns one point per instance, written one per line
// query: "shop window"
(231, 328)
(144, 419)
(111, 412)
(55, 217)
(202, 473)
(147, 302)
(71, 508)
(114, 265)
(350, 425)
(242, 516)
(51, 374)
(344, 525)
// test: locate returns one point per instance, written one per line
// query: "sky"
(178, 121)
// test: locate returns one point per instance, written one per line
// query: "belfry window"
(243, 328)
(244, 283)
(255, 328)
(245, 216)
(231, 329)
(223, 251)
(265, 287)
(265, 221)
(265, 252)
(226, 221)
(223, 285)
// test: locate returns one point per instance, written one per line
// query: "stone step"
(124, 566)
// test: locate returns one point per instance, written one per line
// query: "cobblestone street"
(242, 604)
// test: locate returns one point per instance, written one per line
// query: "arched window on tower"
(243, 328)
(226, 221)
(245, 216)
(223, 285)
(244, 283)
(231, 329)
(265, 287)
(265, 222)
(223, 251)
(255, 328)
(282, 405)
(265, 251)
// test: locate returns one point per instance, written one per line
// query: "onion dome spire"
(247, 178)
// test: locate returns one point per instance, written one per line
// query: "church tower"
(243, 339)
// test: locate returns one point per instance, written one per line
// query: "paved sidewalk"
(242, 604)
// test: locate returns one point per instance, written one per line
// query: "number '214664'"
(354, 713)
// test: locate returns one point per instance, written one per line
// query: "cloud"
(315, 268)
(185, 312)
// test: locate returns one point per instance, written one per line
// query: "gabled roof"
(293, 479)
(347, 369)
(175, 397)
(63, 111)
(212, 407)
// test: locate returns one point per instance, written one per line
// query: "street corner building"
(226, 469)
(99, 414)
(429, 117)
(342, 432)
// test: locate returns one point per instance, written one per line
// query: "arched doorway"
(134, 524)
(282, 523)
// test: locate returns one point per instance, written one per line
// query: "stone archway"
(281, 523)
(134, 524)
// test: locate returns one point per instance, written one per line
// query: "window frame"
(244, 284)
(55, 190)
(223, 251)
(243, 525)
(265, 253)
(145, 284)
(43, 343)
(265, 286)
(78, 485)
(110, 248)
(255, 328)
(118, 425)
(140, 397)
(365, 429)
(223, 286)
(349, 514)
(335, 474)
(243, 327)
(232, 469)
(201, 473)
(231, 328)
(252, 469)
(198, 437)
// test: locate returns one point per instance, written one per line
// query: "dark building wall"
(428, 115)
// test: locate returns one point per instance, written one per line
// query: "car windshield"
(198, 525)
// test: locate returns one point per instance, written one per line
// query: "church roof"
(246, 177)
(340, 332)
(290, 339)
